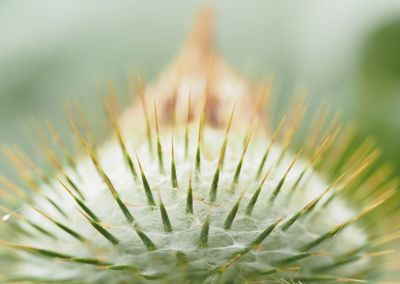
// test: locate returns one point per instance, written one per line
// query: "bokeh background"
(345, 52)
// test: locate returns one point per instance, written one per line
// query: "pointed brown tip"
(197, 72)
(201, 37)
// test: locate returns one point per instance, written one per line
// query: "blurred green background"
(346, 52)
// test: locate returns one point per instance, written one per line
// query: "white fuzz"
(222, 243)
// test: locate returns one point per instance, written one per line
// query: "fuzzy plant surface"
(194, 186)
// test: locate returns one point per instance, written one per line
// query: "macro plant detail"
(194, 187)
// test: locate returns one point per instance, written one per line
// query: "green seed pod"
(192, 188)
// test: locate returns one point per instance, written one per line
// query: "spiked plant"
(193, 188)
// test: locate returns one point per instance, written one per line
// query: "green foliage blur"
(378, 111)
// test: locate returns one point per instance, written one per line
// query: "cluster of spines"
(323, 158)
